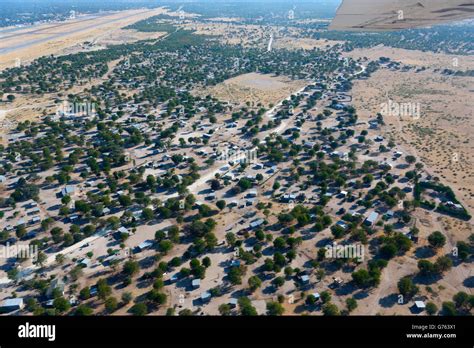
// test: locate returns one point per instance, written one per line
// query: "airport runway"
(56, 35)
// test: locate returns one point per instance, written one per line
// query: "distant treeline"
(14, 12)
(458, 39)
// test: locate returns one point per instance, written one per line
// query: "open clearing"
(416, 58)
(255, 88)
(443, 136)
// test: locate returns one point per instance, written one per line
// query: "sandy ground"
(57, 40)
(254, 87)
(417, 58)
(304, 43)
(442, 137)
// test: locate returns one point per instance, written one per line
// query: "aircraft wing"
(383, 15)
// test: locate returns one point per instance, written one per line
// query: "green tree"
(131, 267)
(436, 239)
(111, 304)
(139, 309)
(246, 307)
(275, 308)
(331, 309)
(351, 304)
(407, 288)
(431, 308)
(254, 282)
(61, 304)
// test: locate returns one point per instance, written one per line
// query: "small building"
(337, 281)
(123, 230)
(12, 304)
(56, 286)
(233, 302)
(144, 245)
(420, 305)
(35, 220)
(211, 196)
(304, 279)
(174, 278)
(256, 223)
(288, 197)
(371, 219)
(33, 211)
(252, 194)
(196, 283)
(86, 262)
(205, 296)
(342, 224)
(67, 191)
(235, 263)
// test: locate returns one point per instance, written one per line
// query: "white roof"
(11, 302)
(420, 304)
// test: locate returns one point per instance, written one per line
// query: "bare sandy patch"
(442, 137)
(304, 43)
(255, 88)
(417, 58)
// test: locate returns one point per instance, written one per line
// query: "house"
(337, 106)
(288, 197)
(174, 278)
(343, 194)
(342, 224)
(233, 203)
(205, 296)
(420, 305)
(250, 202)
(144, 245)
(123, 230)
(56, 286)
(67, 191)
(252, 194)
(235, 263)
(35, 220)
(233, 302)
(304, 279)
(371, 219)
(316, 295)
(196, 283)
(256, 223)
(211, 196)
(86, 262)
(33, 211)
(12, 304)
